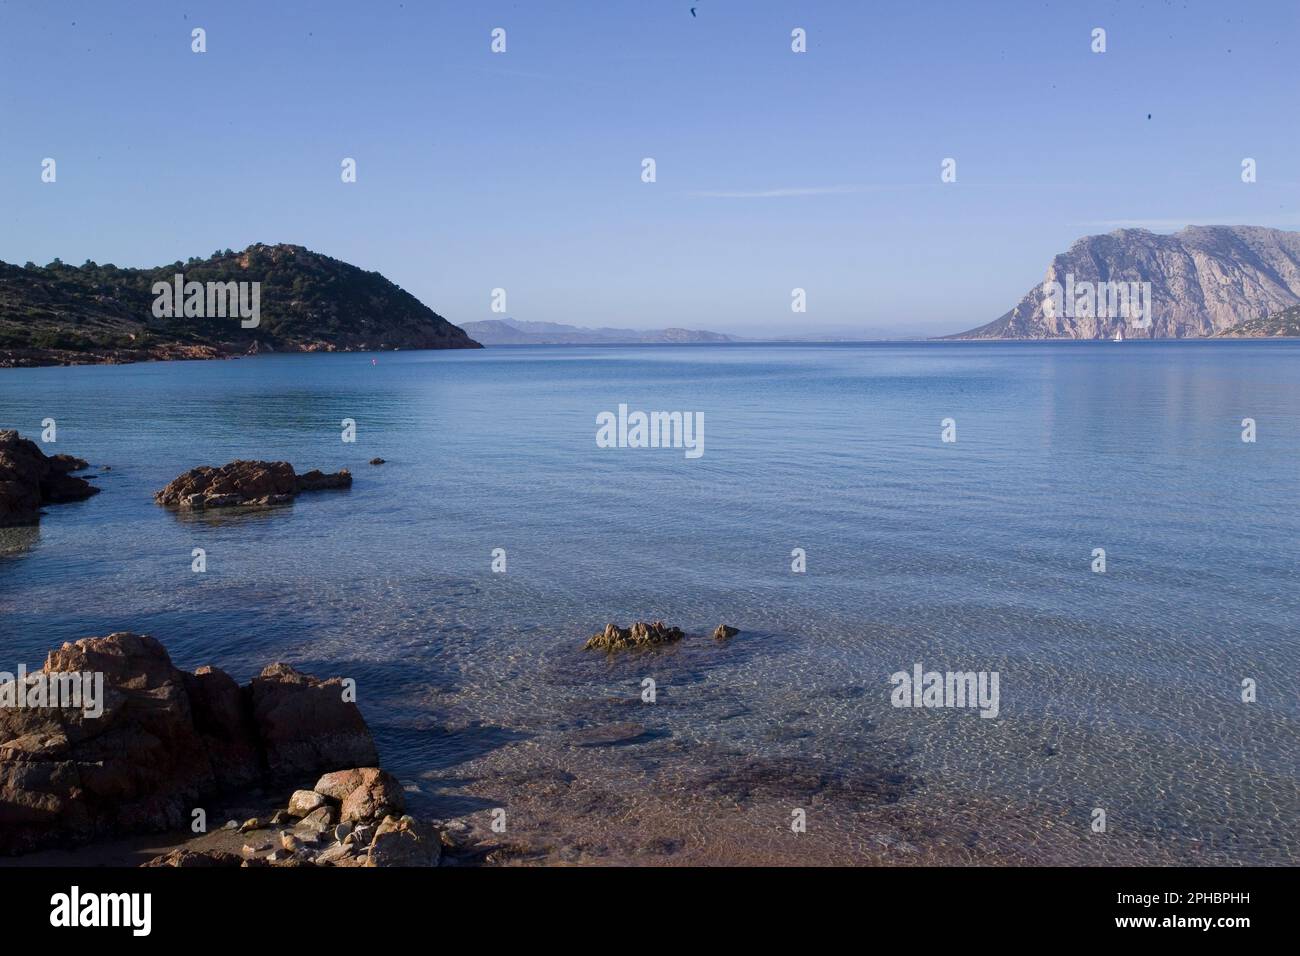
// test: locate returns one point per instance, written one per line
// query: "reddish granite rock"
(29, 479)
(222, 720)
(378, 793)
(165, 742)
(245, 483)
(139, 765)
(339, 784)
(305, 726)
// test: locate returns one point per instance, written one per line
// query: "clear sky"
(522, 170)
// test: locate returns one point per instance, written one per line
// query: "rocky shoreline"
(281, 772)
(167, 744)
(30, 479)
(47, 357)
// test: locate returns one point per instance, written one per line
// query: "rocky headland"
(30, 479)
(1203, 280)
(61, 314)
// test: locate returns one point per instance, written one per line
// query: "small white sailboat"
(1119, 334)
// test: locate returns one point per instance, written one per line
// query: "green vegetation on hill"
(308, 302)
(1284, 324)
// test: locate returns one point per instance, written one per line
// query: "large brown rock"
(139, 765)
(377, 793)
(338, 784)
(245, 484)
(225, 725)
(164, 743)
(29, 479)
(305, 726)
(404, 842)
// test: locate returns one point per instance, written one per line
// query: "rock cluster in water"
(246, 483)
(640, 634)
(164, 742)
(29, 479)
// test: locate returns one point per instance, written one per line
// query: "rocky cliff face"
(1204, 280)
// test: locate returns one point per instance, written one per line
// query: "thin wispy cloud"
(784, 192)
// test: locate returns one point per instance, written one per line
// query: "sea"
(1110, 529)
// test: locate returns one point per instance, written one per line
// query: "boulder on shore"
(164, 742)
(375, 831)
(29, 478)
(376, 794)
(246, 484)
(640, 634)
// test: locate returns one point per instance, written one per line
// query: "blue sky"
(522, 170)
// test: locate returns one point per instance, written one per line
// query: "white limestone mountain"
(1204, 280)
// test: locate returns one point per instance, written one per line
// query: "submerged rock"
(29, 479)
(246, 484)
(640, 634)
(610, 735)
(725, 631)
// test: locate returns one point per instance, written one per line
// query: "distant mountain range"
(1205, 281)
(67, 315)
(518, 332)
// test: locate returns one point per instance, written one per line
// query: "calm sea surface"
(1118, 691)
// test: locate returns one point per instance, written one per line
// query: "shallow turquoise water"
(1119, 690)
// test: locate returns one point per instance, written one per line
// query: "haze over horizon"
(522, 170)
